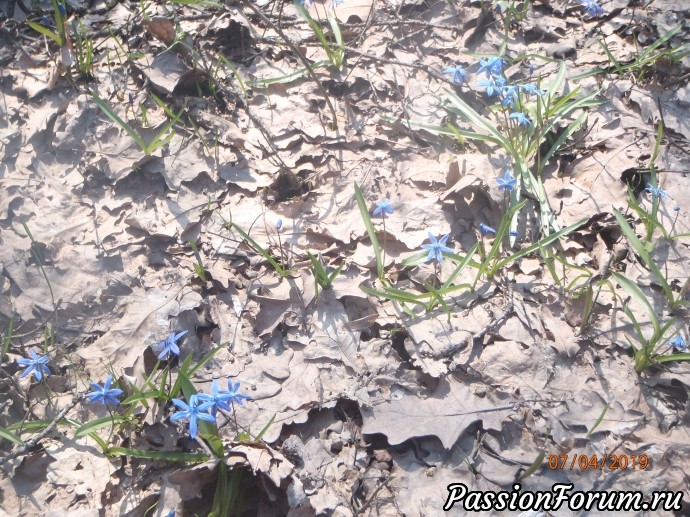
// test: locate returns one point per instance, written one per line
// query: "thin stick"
(299, 55)
(31, 443)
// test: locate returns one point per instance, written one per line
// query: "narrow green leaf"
(572, 128)
(364, 211)
(115, 117)
(644, 254)
(542, 243)
(5, 434)
(613, 60)
(158, 455)
(637, 295)
(205, 359)
(684, 356)
(258, 248)
(142, 395)
(266, 427)
(288, 78)
(46, 32)
(99, 423)
(598, 421)
(536, 465)
(478, 121)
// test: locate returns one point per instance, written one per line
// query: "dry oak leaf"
(445, 414)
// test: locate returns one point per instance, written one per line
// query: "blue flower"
(35, 365)
(491, 66)
(235, 397)
(104, 394)
(192, 413)
(507, 182)
(532, 89)
(676, 208)
(510, 95)
(170, 345)
(279, 224)
(679, 343)
(656, 191)
(62, 9)
(522, 119)
(492, 85)
(592, 8)
(485, 230)
(458, 74)
(220, 399)
(382, 208)
(437, 248)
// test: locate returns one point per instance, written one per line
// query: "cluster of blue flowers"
(661, 194)
(205, 407)
(194, 411)
(680, 344)
(592, 8)
(495, 83)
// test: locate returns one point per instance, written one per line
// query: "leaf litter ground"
(375, 412)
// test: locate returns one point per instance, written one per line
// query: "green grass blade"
(6, 435)
(478, 121)
(542, 243)
(142, 395)
(685, 356)
(572, 127)
(636, 294)
(39, 425)
(259, 249)
(114, 116)
(288, 78)
(598, 421)
(99, 423)
(536, 465)
(364, 211)
(612, 59)
(644, 254)
(186, 457)
(205, 359)
(46, 32)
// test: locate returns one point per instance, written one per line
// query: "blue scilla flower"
(382, 208)
(492, 66)
(104, 394)
(485, 230)
(235, 396)
(437, 248)
(170, 345)
(279, 224)
(492, 85)
(532, 89)
(679, 343)
(36, 365)
(507, 182)
(221, 399)
(510, 96)
(521, 118)
(656, 191)
(592, 8)
(193, 412)
(457, 73)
